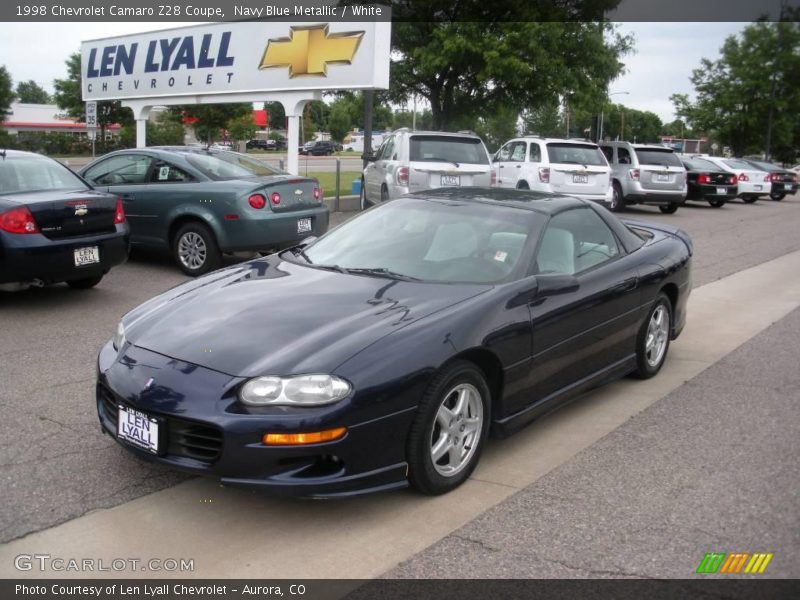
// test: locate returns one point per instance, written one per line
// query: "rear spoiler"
(663, 228)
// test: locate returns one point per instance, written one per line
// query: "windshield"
(766, 166)
(576, 154)
(36, 174)
(448, 148)
(428, 240)
(738, 164)
(229, 165)
(654, 156)
(699, 164)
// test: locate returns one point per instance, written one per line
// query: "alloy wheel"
(657, 336)
(192, 250)
(457, 431)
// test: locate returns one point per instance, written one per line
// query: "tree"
(404, 118)
(640, 125)
(756, 75)
(472, 68)
(68, 97)
(339, 121)
(31, 92)
(213, 118)
(277, 115)
(242, 128)
(545, 120)
(497, 128)
(6, 92)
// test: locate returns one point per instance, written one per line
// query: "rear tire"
(777, 196)
(617, 202)
(452, 422)
(717, 203)
(652, 343)
(523, 185)
(668, 209)
(384, 194)
(195, 249)
(84, 284)
(750, 199)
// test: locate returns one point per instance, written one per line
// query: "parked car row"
(56, 225)
(616, 174)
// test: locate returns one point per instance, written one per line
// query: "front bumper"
(34, 256)
(205, 431)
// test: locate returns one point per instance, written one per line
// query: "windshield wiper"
(381, 272)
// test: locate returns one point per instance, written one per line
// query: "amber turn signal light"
(301, 439)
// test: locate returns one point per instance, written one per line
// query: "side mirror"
(369, 157)
(553, 284)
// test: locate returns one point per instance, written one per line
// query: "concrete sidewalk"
(711, 467)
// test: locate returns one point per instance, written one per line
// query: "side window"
(120, 170)
(517, 152)
(387, 149)
(575, 241)
(164, 172)
(504, 154)
(608, 152)
(536, 153)
(623, 156)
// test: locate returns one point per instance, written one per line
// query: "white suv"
(410, 161)
(572, 167)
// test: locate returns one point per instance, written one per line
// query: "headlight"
(302, 390)
(118, 341)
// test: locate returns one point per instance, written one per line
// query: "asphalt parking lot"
(58, 466)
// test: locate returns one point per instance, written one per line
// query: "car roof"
(540, 202)
(21, 153)
(446, 133)
(547, 140)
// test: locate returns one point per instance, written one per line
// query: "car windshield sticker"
(500, 255)
(163, 172)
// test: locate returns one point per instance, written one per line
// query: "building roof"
(42, 116)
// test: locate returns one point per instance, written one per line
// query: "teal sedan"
(201, 203)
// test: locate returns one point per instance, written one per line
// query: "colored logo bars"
(716, 562)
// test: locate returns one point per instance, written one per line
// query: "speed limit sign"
(91, 115)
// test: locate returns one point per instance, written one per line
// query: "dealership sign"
(231, 58)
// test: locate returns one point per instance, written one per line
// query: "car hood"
(270, 316)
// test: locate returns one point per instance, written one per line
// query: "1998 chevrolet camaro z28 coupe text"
(384, 352)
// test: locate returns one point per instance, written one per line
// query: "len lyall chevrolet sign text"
(223, 58)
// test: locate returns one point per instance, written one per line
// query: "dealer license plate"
(87, 256)
(580, 179)
(787, 186)
(758, 188)
(451, 180)
(137, 429)
(663, 177)
(303, 225)
(722, 190)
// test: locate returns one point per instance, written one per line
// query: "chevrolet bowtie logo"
(309, 50)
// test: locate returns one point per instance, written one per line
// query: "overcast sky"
(665, 55)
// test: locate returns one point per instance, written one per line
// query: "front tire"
(652, 343)
(669, 209)
(365, 204)
(195, 249)
(84, 284)
(717, 203)
(449, 429)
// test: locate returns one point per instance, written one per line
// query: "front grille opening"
(324, 466)
(187, 439)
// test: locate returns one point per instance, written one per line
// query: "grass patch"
(328, 182)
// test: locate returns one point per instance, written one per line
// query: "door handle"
(627, 285)
(519, 166)
(126, 196)
(501, 167)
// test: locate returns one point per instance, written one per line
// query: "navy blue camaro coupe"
(384, 352)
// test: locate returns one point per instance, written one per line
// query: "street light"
(600, 127)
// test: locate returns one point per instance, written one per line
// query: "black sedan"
(783, 181)
(707, 181)
(54, 227)
(384, 352)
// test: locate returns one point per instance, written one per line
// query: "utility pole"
(768, 144)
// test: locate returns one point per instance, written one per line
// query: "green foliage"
(31, 92)
(212, 118)
(353, 103)
(469, 69)
(242, 128)
(757, 71)
(166, 130)
(497, 128)
(6, 92)
(545, 120)
(277, 115)
(338, 122)
(638, 125)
